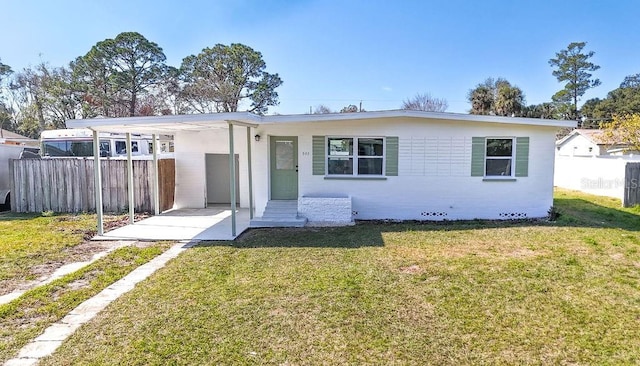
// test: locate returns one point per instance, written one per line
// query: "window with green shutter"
(499, 157)
(355, 156)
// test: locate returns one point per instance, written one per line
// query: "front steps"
(280, 213)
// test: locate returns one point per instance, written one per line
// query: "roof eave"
(417, 114)
(166, 123)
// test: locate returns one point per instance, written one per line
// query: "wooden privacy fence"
(67, 185)
(631, 182)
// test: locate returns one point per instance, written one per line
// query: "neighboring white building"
(397, 165)
(589, 142)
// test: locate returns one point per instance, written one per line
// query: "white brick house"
(398, 165)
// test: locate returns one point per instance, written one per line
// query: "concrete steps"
(280, 213)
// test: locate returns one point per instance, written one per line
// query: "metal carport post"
(156, 176)
(132, 212)
(232, 171)
(97, 179)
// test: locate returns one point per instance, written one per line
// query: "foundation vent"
(513, 215)
(433, 214)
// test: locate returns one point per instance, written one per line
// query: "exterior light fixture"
(257, 137)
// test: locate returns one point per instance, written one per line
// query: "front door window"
(284, 155)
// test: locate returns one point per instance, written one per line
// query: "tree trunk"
(38, 104)
(132, 107)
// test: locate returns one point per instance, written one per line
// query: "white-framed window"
(499, 156)
(355, 156)
(121, 147)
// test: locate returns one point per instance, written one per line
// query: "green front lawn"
(28, 316)
(34, 245)
(29, 240)
(566, 292)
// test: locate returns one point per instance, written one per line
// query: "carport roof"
(196, 122)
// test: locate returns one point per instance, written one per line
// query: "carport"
(202, 224)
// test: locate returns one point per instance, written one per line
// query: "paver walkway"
(45, 344)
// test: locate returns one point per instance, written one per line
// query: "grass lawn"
(26, 317)
(566, 292)
(32, 245)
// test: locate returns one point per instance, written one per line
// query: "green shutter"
(319, 155)
(477, 156)
(391, 162)
(522, 156)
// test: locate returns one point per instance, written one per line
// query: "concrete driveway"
(211, 223)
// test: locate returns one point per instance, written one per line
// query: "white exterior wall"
(434, 181)
(578, 145)
(599, 176)
(190, 150)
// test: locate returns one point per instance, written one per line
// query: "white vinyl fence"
(602, 176)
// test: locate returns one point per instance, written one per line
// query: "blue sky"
(342, 52)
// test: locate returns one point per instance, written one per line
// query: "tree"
(351, 108)
(43, 97)
(5, 71)
(5, 115)
(624, 129)
(573, 68)
(631, 81)
(63, 99)
(30, 99)
(481, 99)
(169, 93)
(425, 102)
(624, 100)
(509, 100)
(96, 82)
(496, 97)
(118, 71)
(591, 107)
(543, 110)
(221, 78)
(5, 118)
(322, 109)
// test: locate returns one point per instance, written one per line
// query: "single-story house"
(12, 138)
(590, 142)
(334, 168)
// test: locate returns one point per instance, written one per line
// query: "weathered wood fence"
(631, 185)
(67, 185)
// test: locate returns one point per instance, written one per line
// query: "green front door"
(284, 168)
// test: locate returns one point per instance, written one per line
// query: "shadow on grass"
(364, 234)
(582, 213)
(574, 212)
(13, 216)
(326, 237)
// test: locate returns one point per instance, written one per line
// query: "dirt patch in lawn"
(110, 223)
(79, 253)
(72, 254)
(412, 269)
